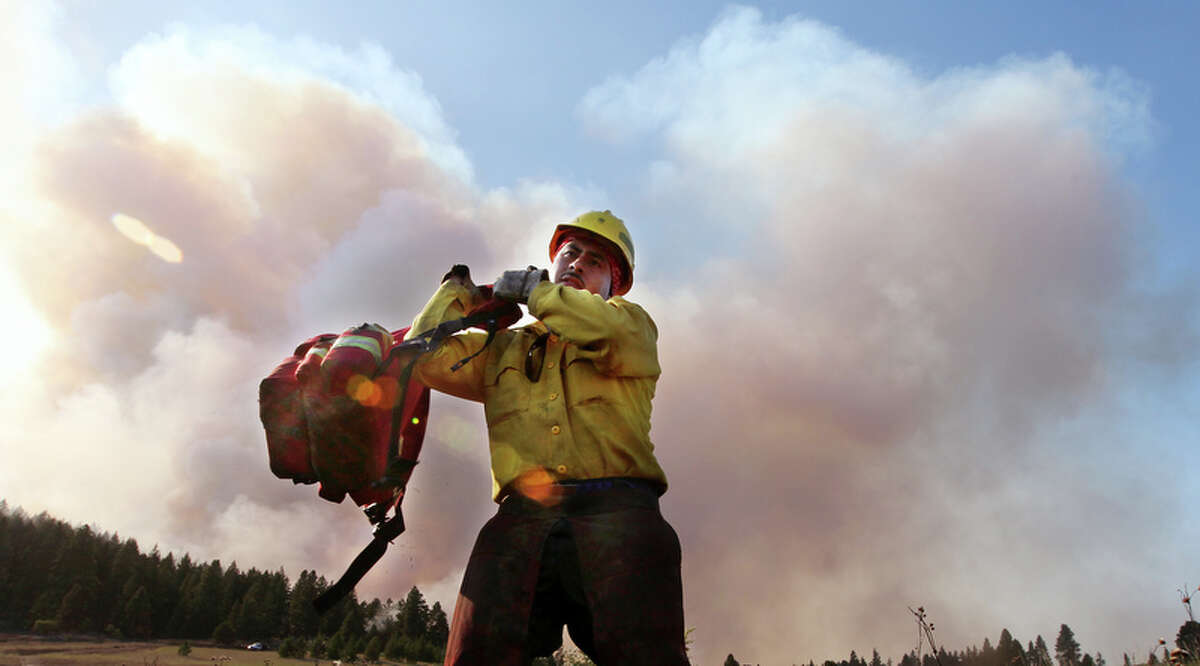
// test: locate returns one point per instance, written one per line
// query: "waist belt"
(595, 485)
(583, 496)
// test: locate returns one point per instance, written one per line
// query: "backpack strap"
(384, 533)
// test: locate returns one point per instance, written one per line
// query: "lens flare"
(363, 390)
(380, 393)
(133, 228)
(166, 250)
(538, 485)
(137, 231)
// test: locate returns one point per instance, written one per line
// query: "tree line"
(56, 578)
(1008, 651)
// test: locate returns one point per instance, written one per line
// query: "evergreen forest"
(55, 578)
(59, 579)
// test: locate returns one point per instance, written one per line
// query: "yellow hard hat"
(607, 227)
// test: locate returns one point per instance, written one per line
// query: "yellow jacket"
(587, 416)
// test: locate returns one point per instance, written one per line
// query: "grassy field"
(21, 650)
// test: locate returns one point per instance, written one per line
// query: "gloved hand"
(517, 285)
(460, 274)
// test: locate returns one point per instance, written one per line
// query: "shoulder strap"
(384, 533)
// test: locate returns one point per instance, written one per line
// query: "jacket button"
(561, 469)
(555, 429)
(553, 396)
(550, 364)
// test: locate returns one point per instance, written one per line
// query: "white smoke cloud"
(884, 373)
(181, 84)
(308, 189)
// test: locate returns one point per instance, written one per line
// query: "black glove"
(460, 274)
(517, 285)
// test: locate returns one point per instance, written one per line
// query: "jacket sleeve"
(451, 301)
(617, 335)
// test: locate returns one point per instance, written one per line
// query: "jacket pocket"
(507, 394)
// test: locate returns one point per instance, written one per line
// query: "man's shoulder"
(634, 309)
(621, 301)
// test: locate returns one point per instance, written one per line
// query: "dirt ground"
(20, 650)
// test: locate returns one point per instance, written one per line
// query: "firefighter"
(578, 539)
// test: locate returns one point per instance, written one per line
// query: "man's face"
(583, 263)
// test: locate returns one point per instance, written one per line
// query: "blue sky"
(509, 77)
(495, 67)
(922, 273)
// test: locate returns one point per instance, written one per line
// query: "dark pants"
(603, 563)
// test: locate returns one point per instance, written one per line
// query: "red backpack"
(328, 411)
(343, 411)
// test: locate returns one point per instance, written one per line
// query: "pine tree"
(422, 650)
(137, 618)
(202, 602)
(74, 574)
(247, 614)
(333, 647)
(438, 630)
(1041, 652)
(353, 625)
(372, 615)
(317, 647)
(301, 616)
(414, 616)
(164, 594)
(224, 633)
(123, 577)
(730, 661)
(229, 591)
(275, 604)
(7, 550)
(373, 650)
(77, 561)
(987, 654)
(1008, 650)
(75, 611)
(291, 647)
(184, 580)
(351, 649)
(35, 596)
(393, 649)
(1066, 648)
